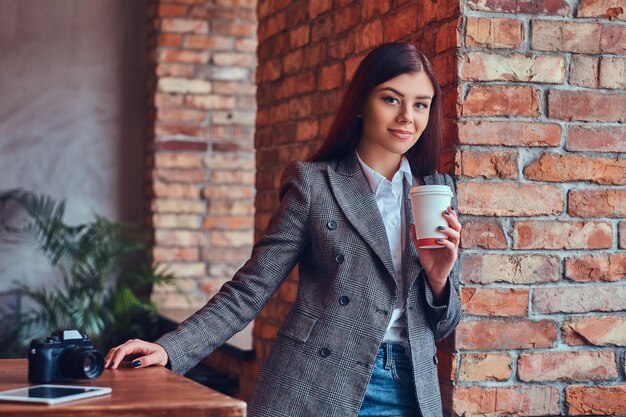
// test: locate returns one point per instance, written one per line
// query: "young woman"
(360, 338)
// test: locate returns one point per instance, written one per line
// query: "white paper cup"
(429, 202)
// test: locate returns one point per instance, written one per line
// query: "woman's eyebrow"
(402, 95)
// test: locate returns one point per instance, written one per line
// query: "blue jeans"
(391, 391)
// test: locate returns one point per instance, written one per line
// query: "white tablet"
(52, 394)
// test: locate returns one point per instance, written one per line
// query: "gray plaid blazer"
(322, 359)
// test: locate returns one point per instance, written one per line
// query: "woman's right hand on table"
(143, 354)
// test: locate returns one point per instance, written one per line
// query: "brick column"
(202, 154)
(542, 196)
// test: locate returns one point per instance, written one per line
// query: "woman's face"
(396, 114)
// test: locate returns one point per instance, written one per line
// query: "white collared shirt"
(389, 198)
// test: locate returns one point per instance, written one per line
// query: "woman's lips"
(400, 134)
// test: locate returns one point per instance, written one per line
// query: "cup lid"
(431, 189)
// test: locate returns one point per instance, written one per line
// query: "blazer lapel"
(411, 266)
(358, 203)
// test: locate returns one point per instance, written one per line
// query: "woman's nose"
(405, 116)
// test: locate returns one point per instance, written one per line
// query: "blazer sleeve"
(444, 318)
(241, 299)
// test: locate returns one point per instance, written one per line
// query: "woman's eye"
(390, 100)
(421, 105)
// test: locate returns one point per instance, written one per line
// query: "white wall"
(72, 111)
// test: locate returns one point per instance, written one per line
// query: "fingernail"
(440, 227)
(439, 239)
(452, 208)
(446, 212)
(135, 364)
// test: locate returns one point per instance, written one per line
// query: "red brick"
(269, 71)
(584, 71)
(231, 238)
(559, 7)
(330, 76)
(488, 164)
(502, 101)
(175, 254)
(178, 238)
(228, 223)
(373, 8)
(596, 138)
(318, 7)
(596, 267)
(208, 42)
(168, 100)
(210, 102)
(552, 234)
(233, 59)
(186, 175)
(217, 191)
(176, 190)
(307, 129)
(346, 18)
(567, 366)
(494, 301)
(444, 66)
(595, 331)
(597, 203)
(514, 269)
(509, 133)
(342, 46)
(246, 45)
(596, 400)
(600, 8)
(305, 83)
(483, 66)
(236, 177)
(612, 72)
(505, 334)
(579, 299)
(184, 26)
(177, 160)
(622, 235)
(167, 129)
(613, 39)
(171, 205)
(165, 69)
(322, 28)
(509, 199)
(187, 57)
(517, 400)
(169, 39)
(487, 234)
(171, 10)
(494, 32)
(402, 23)
(566, 168)
(447, 36)
(180, 115)
(233, 28)
(586, 106)
(176, 221)
(485, 367)
(299, 36)
(566, 36)
(292, 62)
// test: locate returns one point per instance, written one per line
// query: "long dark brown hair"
(380, 65)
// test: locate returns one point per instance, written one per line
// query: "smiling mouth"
(400, 134)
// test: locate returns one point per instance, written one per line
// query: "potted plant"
(106, 276)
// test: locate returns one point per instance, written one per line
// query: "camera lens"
(81, 362)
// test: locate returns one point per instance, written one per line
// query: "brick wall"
(202, 101)
(542, 196)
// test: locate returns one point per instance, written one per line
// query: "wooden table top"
(152, 391)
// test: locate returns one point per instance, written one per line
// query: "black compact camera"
(62, 356)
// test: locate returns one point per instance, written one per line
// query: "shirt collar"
(374, 178)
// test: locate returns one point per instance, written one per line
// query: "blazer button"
(344, 300)
(325, 352)
(339, 258)
(435, 359)
(332, 225)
